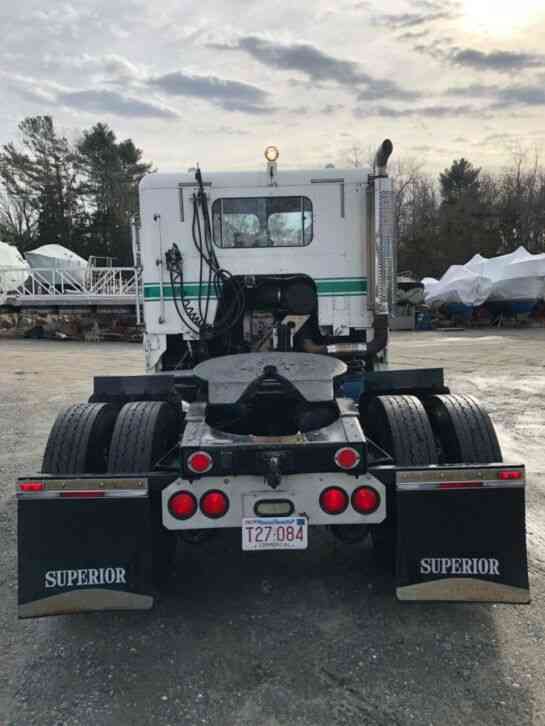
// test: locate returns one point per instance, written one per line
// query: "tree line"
(80, 194)
(83, 193)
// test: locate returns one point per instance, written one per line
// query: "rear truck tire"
(79, 441)
(463, 429)
(144, 433)
(400, 426)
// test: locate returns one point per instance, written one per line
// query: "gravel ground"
(277, 639)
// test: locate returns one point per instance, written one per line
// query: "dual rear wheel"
(445, 429)
(95, 438)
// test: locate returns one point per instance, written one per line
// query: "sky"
(216, 82)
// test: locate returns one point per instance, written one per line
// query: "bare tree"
(18, 221)
(356, 155)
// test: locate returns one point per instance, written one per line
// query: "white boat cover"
(459, 285)
(54, 256)
(514, 277)
(428, 283)
(11, 279)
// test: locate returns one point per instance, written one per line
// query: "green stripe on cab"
(329, 287)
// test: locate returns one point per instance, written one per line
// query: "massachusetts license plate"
(274, 533)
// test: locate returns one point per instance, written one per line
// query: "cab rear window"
(262, 222)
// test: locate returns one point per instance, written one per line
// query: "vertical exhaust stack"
(381, 243)
(384, 152)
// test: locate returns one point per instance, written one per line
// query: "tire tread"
(465, 429)
(75, 433)
(401, 423)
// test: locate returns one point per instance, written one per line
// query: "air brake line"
(196, 320)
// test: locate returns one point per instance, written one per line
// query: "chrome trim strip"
(448, 474)
(436, 486)
(106, 483)
(119, 494)
(463, 589)
(77, 601)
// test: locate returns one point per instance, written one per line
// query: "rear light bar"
(465, 478)
(508, 474)
(74, 487)
(459, 485)
(31, 486)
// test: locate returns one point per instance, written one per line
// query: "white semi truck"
(268, 406)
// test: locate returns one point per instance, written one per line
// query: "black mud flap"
(83, 544)
(461, 534)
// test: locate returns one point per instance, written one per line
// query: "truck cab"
(295, 248)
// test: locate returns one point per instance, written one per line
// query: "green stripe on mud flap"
(327, 287)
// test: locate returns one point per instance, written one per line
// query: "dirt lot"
(278, 639)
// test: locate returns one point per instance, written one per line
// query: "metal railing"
(85, 285)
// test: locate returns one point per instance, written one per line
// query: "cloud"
(316, 65)
(402, 21)
(511, 95)
(110, 66)
(106, 101)
(413, 35)
(433, 111)
(384, 90)
(116, 66)
(499, 61)
(230, 95)
(305, 58)
(423, 13)
(331, 108)
(93, 100)
(474, 90)
(502, 61)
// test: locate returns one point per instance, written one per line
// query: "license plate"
(274, 533)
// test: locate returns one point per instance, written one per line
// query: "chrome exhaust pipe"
(384, 152)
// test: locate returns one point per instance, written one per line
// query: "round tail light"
(347, 458)
(365, 500)
(182, 505)
(199, 462)
(214, 504)
(334, 500)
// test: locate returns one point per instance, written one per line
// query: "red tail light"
(182, 505)
(214, 504)
(347, 458)
(333, 500)
(32, 486)
(365, 500)
(510, 474)
(445, 486)
(199, 462)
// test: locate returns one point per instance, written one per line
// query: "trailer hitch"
(272, 473)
